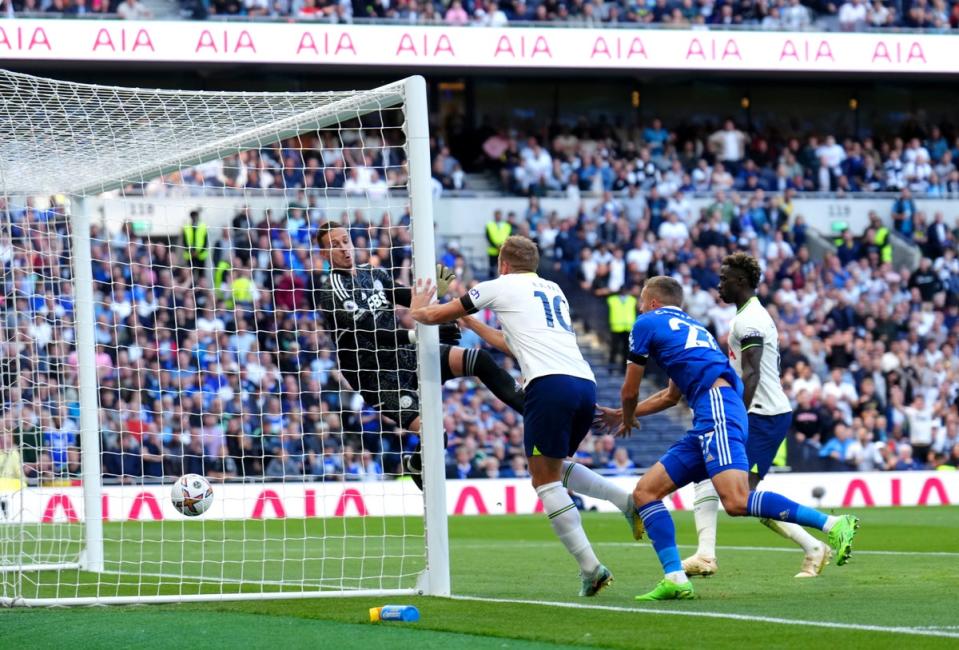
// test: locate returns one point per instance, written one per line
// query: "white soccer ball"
(192, 495)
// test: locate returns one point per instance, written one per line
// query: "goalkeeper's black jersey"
(360, 310)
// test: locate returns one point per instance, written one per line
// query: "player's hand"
(444, 278)
(422, 293)
(628, 423)
(606, 419)
(449, 334)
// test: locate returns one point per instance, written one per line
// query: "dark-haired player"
(375, 355)
(754, 353)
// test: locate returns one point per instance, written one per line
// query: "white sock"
(705, 511)
(583, 480)
(831, 520)
(566, 523)
(679, 577)
(794, 532)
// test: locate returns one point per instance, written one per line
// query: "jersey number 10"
(699, 337)
(557, 309)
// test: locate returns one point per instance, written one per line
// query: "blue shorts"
(716, 442)
(766, 434)
(557, 415)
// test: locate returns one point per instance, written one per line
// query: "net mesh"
(213, 353)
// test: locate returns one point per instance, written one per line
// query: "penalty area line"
(913, 631)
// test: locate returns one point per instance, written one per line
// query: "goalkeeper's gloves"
(449, 334)
(444, 278)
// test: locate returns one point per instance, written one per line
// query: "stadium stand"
(853, 15)
(870, 351)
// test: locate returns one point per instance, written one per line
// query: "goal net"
(162, 315)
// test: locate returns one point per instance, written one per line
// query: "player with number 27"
(714, 448)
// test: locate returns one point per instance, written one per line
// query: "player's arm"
(639, 348)
(494, 337)
(752, 354)
(422, 311)
(629, 396)
(660, 401)
(404, 295)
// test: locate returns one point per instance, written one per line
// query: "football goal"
(163, 290)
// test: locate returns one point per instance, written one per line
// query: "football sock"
(583, 480)
(662, 533)
(566, 523)
(793, 532)
(776, 506)
(480, 364)
(706, 511)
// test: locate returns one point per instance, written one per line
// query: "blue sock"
(662, 533)
(775, 506)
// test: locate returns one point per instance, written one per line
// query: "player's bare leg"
(648, 496)
(564, 518)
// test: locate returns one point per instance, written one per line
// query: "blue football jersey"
(684, 349)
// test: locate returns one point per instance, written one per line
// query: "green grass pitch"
(899, 590)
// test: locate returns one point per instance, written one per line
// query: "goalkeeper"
(377, 357)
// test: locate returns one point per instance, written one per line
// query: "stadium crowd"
(593, 158)
(212, 358)
(870, 352)
(851, 15)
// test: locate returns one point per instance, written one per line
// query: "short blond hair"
(667, 289)
(520, 253)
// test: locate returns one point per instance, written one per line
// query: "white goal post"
(141, 341)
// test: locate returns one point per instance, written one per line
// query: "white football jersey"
(750, 324)
(534, 315)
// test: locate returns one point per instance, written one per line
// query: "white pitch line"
(764, 549)
(913, 631)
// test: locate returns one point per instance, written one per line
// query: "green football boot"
(841, 536)
(669, 590)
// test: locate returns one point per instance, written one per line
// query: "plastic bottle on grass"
(404, 613)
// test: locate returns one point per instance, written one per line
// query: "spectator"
(835, 453)
(728, 145)
(497, 232)
(622, 316)
(456, 15)
(922, 422)
(904, 461)
(938, 237)
(621, 464)
(133, 10)
(853, 15)
(903, 213)
(12, 477)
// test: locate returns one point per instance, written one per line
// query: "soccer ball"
(192, 495)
